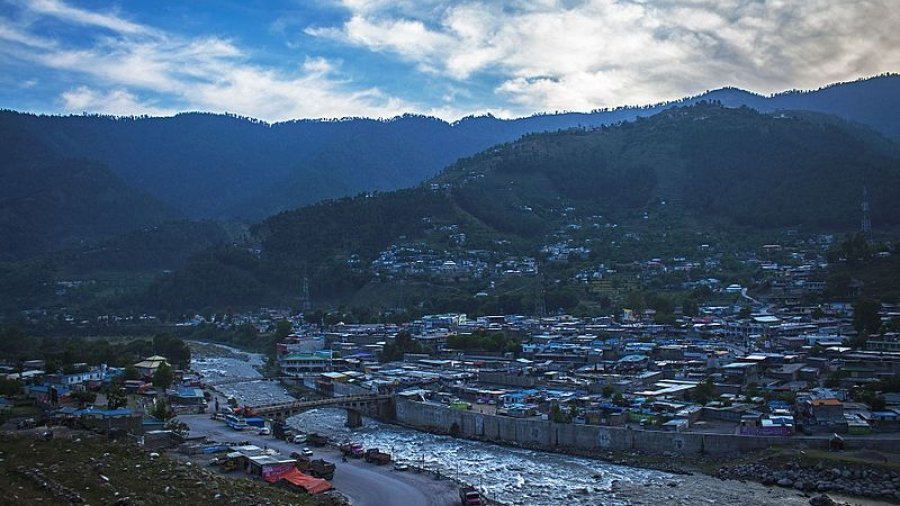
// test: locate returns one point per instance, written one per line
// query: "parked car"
(398, 466)
(307, 452)
(299, 439)
(265, 431)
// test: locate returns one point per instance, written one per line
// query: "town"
(728, 378)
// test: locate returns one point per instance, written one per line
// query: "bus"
(235, 422)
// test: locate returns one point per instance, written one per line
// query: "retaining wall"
(549, 435)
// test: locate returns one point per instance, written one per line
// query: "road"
(364, 484)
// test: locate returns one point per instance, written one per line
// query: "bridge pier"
(354, 419)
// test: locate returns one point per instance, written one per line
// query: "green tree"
(10, 387)
(403, 343)
(131, 373)
(689, 307)
(163, 377)
(84, 397)
(161, 410)
(704, 391)
(283, 329)
(865, 316)
(115, 396)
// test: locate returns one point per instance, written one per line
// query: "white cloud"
(120, 70)
(559, 54)
(66, 13)
(507, 57)
(118, 102)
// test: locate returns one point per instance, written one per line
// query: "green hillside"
(703, 169)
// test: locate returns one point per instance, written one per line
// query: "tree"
(745, 312)
(130, 373)
(607, 391)
(283, 329)
(84, 397)
(690, 307)
(162, 377)
(403, 343)
(866, 320)
(161, 410)
(115, 396)
(10, 387)
(174, 349)
(704, 391)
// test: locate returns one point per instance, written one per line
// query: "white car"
(299, 439)
(265, 431)
(307, 452)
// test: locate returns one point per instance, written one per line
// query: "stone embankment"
(861, 481)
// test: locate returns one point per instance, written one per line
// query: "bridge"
(381, 406)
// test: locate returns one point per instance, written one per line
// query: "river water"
(511, 475)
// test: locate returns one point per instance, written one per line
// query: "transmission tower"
(540, 304)
(866, 224)
(305, 301)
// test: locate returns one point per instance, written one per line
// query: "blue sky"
(285, 59)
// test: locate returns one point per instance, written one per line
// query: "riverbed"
(232, 372)
(511, 475)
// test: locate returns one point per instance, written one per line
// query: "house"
(187, 400)
(825, 411)
(149, 365)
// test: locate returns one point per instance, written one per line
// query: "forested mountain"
(705, 164)
(215, 166)
(50, 201)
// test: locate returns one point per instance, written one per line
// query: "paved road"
(364, 484)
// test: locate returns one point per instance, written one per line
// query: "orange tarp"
(298, 479)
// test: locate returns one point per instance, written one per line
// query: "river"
(510, 475)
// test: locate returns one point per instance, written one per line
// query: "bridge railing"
(330, 401)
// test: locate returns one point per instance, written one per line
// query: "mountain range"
(655, 183)
(66, 178)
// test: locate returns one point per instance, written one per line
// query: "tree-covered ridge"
(702, 167)
(49, 201)
(750, 168)
(223, 166)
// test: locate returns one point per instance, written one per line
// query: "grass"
(102, 472)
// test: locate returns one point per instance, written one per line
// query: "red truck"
(377, 456)
(354, 450)
(468, 496)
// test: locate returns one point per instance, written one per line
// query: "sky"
(287, 59)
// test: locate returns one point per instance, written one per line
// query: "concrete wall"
(499, 378)
(549, 435)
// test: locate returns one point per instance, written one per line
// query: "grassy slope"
(81, 465)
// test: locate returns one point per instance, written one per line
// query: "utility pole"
(305, 302)
(866, 225)
(540, 304)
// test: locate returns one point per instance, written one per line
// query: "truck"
(314, 439)
(468, 496)
(280, 430)
(318, 468)
(354, 450)
(374, 455)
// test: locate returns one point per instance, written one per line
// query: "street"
(364, 484)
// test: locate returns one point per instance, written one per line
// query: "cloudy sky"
(284, 59)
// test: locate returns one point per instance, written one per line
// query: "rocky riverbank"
(852, 479)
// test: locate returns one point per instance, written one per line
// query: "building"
(149, 365)
(303, 365)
